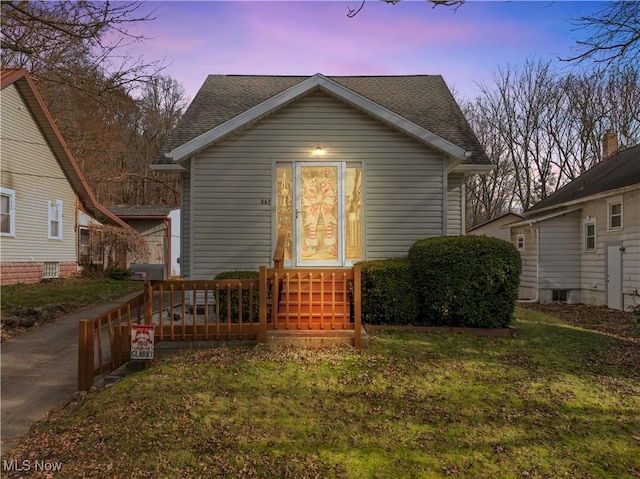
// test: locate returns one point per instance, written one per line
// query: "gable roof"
(621, 170)
(26, 87)
(419, 105)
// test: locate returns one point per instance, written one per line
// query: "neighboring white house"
(582, 243)
(353, 167)
(45, 200)
(495, 227)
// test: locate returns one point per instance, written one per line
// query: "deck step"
(310, 338)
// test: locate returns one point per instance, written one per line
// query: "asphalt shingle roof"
(622, 169)
(422, 99)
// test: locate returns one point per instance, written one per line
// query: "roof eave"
(181, 154)
(604, 194)
(470, 168)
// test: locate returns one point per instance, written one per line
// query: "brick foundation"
(31, 272)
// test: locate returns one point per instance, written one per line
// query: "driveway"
(40, 372)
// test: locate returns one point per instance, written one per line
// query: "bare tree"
(53, 39)
(492, 194)
(352, 12)
(542, 130)
(612, 35)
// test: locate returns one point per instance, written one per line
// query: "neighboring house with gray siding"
(353, 167)
(45, 200)
(582, 243)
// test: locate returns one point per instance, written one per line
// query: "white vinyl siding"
(529, 260)
(560, 253)
(455, 204)
(7, 212)
(30, 169)
(594, 264)
(185, 225)
(232, 228)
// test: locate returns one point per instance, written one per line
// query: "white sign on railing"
(142, 341)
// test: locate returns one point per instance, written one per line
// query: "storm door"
(320, 204)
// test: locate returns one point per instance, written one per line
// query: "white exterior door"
(319, 215)
(614, 277)
(320, 205)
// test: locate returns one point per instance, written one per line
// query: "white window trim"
(520, 236)
(12, 210)
(584, 236)
(58, 204)
(614, 201)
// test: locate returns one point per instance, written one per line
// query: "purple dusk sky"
(306, 37)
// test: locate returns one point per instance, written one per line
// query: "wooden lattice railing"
(226, 309)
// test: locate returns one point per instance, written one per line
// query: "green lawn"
(69, 294)
(556, 401)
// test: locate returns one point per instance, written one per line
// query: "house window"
(559, 295)
(520, 242)
(7, 212)
(55, 219)
(590, 236)
(615, 214)
(50, 270)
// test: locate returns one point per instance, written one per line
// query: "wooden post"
(357, 308)
(85, 354)
(262, 330)
(148, 309)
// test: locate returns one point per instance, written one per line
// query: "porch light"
(319, 151)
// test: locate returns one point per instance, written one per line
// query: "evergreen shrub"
(234, 297)
(388, 294)
(469, 281)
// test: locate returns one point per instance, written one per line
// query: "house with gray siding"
(582, 243)
(45, 201)
(353, 168)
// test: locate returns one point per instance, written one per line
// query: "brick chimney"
(609, 145)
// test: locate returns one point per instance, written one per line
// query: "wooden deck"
(323, 301)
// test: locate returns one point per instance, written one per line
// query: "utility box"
(149, 272)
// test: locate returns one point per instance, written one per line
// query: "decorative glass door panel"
(320, 214)
(284, 204)
(353, 192)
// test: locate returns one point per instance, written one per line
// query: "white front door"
(614, 277)
(320, 204)
(319, 215)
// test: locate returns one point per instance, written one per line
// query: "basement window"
(559, 295)
(50, 270)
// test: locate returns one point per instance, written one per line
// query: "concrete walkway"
(40, 371)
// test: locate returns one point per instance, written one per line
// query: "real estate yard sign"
(142, 341)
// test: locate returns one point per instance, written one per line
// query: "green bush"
(388, 295)
(117, 272)
(224, 316)
(466, 280)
